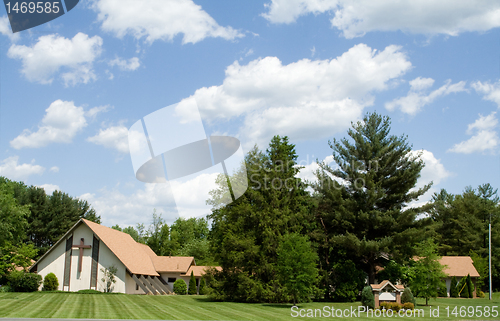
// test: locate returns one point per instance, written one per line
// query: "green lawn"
(121, 306)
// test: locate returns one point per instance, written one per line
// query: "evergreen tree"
(203, 287)
(463, 288)
(246, 233)
(363, 201)
(470, 286)
(192, 285)
(461, 224)
(453, 287)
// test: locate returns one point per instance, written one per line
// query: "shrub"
(407, 297)
(180, 287)
(442, 292)
(21, 281)
(5, 288)
(203, 287)
(192, 285)
(394, 306)
(408, 306)
(470, 286)
(89, 291)
(50, 282)
(367, 298)
(480, 294)
(453, 288)
(463, 289)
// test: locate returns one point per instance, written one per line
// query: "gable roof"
(138, 258)
(458, 266)
(128, 251)
(383, 284)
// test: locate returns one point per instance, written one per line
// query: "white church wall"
(107, 259)
(177, 276)
(54, 263)
(131, 286)
(81, 281)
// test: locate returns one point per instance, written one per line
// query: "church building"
(80, 256)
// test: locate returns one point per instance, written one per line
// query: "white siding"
(54, 263)
(107, 259)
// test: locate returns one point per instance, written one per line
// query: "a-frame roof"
(458, 266)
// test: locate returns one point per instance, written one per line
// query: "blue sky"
(71, 88)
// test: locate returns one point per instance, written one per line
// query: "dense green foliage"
(367, 297)
(20, 281)
(461, 225)
(429, 273)
(470, 286)
(11, 256)
(347, 280)
(362, 200)
(296, 267)
(247, 233)
(50, 282)
(407, 296)
(192, 285)
(180, 287)
(454, 287)
(203, 287)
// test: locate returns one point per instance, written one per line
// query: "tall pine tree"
(363, 200)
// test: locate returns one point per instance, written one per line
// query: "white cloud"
(6, 30)
(354, 18)
(417, 98)
(50, 188)
(130, 65)
(160, 20)
(115, 137)
(53, 52)
(305, 99)
(116, 207)
(62, 121)
(490, 91)
(434, 170)
(484, 136)
(54, 169)
(11, 169)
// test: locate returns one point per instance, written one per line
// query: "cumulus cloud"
(417, 97)
(484, 136)
(54, 169)
(115, 137)
(6, 30)
(354, 18)
(160, 20)
(130, 65)
(52, 53)
(50, 188)
(117, 207)
(62, 121)
(490, 91)
(305, 99)
(11, 169)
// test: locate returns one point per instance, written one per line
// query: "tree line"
(290, 240)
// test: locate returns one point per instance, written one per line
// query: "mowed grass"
(122, 306)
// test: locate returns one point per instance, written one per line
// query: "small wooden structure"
(386, 292)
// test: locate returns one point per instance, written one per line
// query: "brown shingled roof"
(128, 251)
(199, 270)
(458, 266)
(173, 263)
